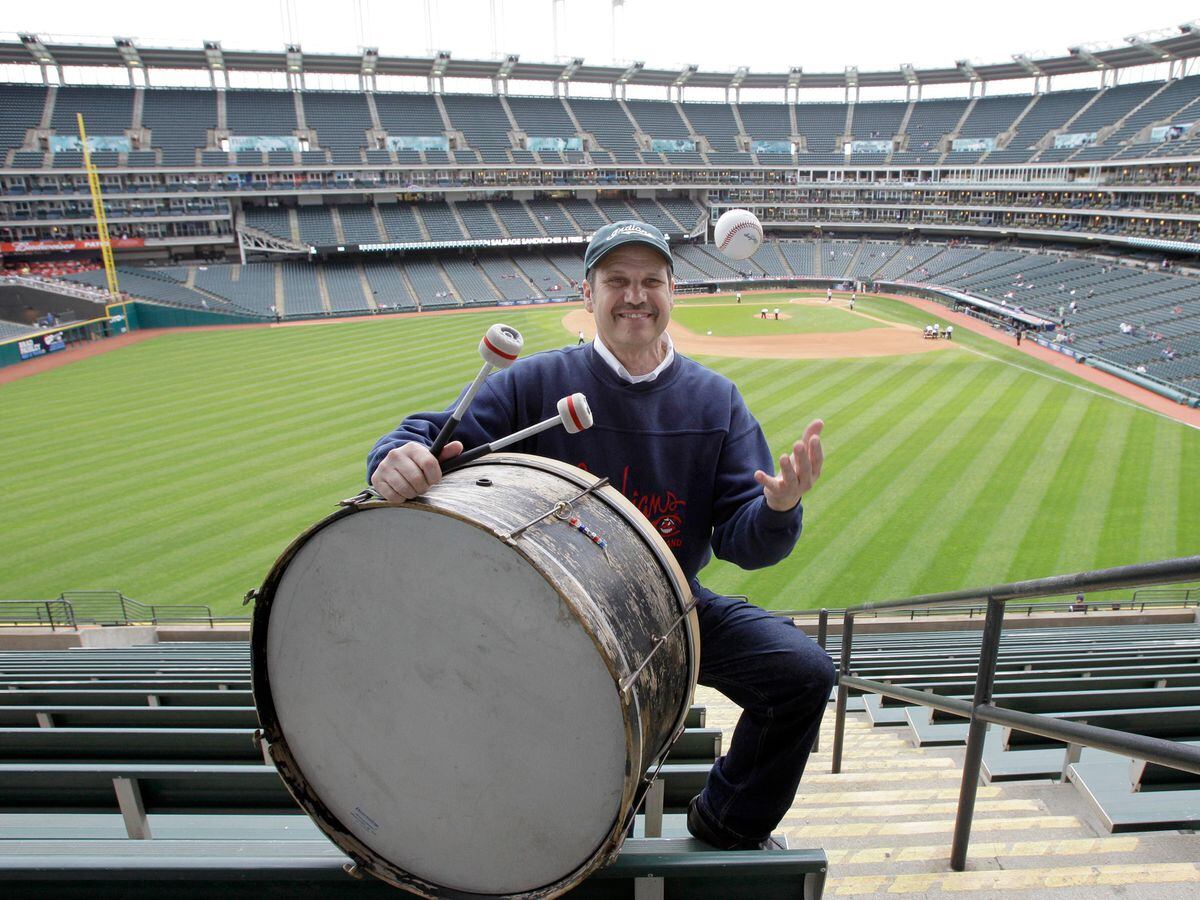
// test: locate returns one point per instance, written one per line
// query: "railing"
(981, 712)
(54, 614)
(74, 608)
(1140, 601)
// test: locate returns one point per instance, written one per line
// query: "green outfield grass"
(742, 320)
(176, 469)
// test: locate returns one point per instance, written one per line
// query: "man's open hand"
(798, 470)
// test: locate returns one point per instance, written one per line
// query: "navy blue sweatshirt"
(682, 448)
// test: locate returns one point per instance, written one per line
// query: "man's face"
(631, 294)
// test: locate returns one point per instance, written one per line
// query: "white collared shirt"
(623, 373)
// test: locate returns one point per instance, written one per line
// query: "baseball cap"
(627, 231)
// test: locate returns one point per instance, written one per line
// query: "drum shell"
(630, 598)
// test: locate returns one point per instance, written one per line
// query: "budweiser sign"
(48, 246)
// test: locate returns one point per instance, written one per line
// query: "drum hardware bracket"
(628, 681)
(558, 508)
(251, 596)
(366, 495)
(353, 871)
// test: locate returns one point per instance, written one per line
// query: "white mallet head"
(738, 234)
(501, 346)
(575, 413)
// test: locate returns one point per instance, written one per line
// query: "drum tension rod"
(628, 680)
(561, 504)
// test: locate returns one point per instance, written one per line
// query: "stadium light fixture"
(506, 67)
(129, 53)
(370, 61)
(295, 58)
(1088, 57)
(631, 70)
(1139, 41)
(1028, 65)
(851, 82)
(214, 56)
(570, 69)
(37, 50)
(441, 61)
(685, 74)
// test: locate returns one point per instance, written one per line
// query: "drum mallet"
(574, 415)
(499, 348)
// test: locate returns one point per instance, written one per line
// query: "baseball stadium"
(236, 660)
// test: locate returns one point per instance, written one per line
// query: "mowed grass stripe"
(862, 448)
(1067, 480)
(848, 566)
(1122, 532)
(919, 563)
(920, 524)
(1031, 478)
(1187, 532)
(984, 490)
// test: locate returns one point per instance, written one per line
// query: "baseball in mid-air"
(738, 233)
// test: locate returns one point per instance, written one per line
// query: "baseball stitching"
(733, 233)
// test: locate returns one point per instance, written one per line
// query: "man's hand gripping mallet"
(574, 415)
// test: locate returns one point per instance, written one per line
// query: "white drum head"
(444, 703)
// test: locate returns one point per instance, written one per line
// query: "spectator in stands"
(678, 433)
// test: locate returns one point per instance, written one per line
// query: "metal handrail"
(981, 712)
(63, 612)
(1187, 597)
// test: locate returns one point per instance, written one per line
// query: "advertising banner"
(868, 146)
(261, 142)
(1173, 132)
(672, 146)
(48, 246)
(973, 145)
(1076, 139)
(41, 345)
(770, 146)
(418, 142)
(65, 143)
(553, 143)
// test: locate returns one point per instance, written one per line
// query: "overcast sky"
(767, 35)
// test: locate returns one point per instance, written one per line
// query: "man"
(739, 296)
(668, 429)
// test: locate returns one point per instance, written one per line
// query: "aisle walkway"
(887, 820)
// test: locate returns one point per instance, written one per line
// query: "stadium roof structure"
(1172, 46)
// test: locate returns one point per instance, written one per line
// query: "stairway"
(886, 823)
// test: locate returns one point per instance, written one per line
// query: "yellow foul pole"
(110, 269)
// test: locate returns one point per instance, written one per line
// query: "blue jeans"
(781, 679)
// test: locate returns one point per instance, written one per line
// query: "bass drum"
(466, 691)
